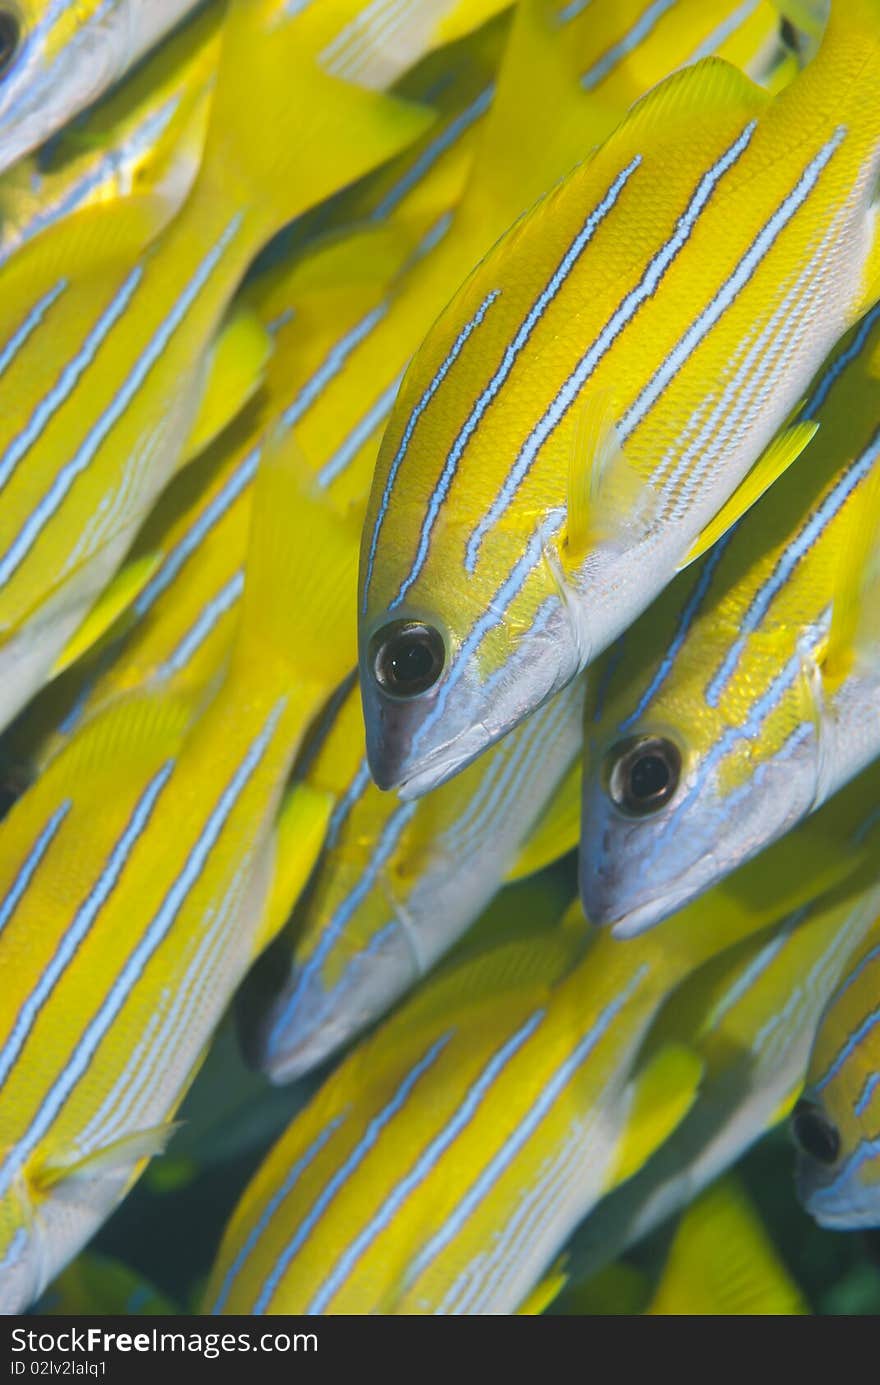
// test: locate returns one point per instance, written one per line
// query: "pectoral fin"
(776, 460)
(661, 1095)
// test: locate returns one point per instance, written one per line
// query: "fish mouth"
(445, 762)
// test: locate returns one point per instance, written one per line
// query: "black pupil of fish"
(408, 657)
(649, 777)
(816, 1136)
(9, 36)
(410, 660)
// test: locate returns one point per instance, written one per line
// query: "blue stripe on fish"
(155, 934)
(424, 1164)
(189, 544)
(691, 610)
(432, 152)
(794, 553)
(367, 1141)
(29, 867)
(616, 324)
(452, 356)
(30, 324)
(496, 613)
(359, 436)
(732, 287)
(82, 922)
(832, 373)
(867, 1093)
(330, 367)
(619, 51)
(500, 1162)
(712, 42)
(383, 849)
(99, 433)
(69, 378)
(273, 1205)
(511, 355)
(210, 616)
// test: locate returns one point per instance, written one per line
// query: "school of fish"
(439, 646)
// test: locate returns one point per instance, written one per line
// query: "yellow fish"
(134, 878)
(603, 384)
(58, 56)
(148, 134)
(745, 697)
(445, 1162)
(835, 1126)
(397, 883)
(107, 324)
(752, 1019)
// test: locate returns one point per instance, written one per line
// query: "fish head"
(837, 1172)
(55, 59)
(836, 1124)
(463, 658)
(681, 788)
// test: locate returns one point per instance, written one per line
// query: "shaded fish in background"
(136, 874)
(443, 1165)
(723, 1262)
(749, 694)
(396, 886)
(752, 1019)
(96, 1284)
(603, 385)
(148, 134)
(836, 1126)
(58, 56)
(107, 326)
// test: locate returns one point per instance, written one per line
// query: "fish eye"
(407, 657)
(10, 38)
(643, 774)
(814, 1134)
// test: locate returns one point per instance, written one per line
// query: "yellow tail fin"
(282, 129)
(299, 608)
(722, 1262)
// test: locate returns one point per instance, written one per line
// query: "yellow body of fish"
(135, 874)
(107, 318)
(601, 386)
(444, 1163)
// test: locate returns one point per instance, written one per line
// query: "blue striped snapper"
(446, 1161)
(136, 872)
(108, 324)
(534, 108)
(835, 1126)
(609, 378)
(748, 694)
(58, 56)
(147, 134)
(752, 1018)
(397, 883)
